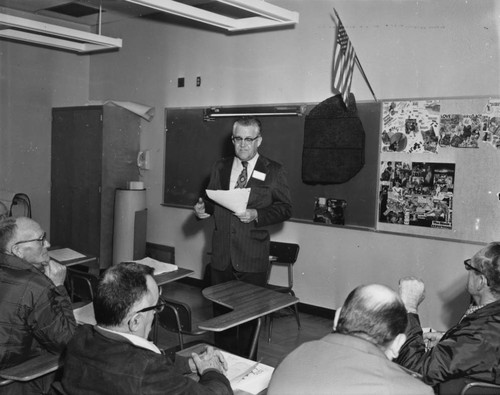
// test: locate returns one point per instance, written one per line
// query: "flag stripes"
(343, 62)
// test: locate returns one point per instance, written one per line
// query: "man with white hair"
(36, 315)
(356, 358)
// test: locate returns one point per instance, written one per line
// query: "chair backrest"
(284, 252)
(176, 316)
(82, 285)
(480, 388)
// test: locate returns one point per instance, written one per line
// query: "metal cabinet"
(94, 151)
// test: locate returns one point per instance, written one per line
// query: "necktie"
(242, 179)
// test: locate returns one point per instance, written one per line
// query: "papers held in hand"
(235, 200)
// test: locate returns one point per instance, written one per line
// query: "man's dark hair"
(248, 121)
(373, 318)
(8, 228)
(121, 286)
(488, 262)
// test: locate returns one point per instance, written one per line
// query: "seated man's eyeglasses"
(42, 239)
(246, 140)
(158, 308)
(468, 267)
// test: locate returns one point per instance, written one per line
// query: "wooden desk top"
(65, 257)
(247, 301)
(32, 368)
(164, 278)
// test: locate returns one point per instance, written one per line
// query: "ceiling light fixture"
(267, 15)
(42, 33)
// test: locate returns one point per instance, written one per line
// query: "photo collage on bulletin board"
(421, 193)
(420, 126)
(417, 193)
(436, 157)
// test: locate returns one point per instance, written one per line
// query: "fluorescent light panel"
(268, 15)
(55, 36)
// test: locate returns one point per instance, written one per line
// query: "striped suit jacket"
(246, 245)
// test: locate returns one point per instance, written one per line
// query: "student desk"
(32, 368)
(168, 277)
(248, 302)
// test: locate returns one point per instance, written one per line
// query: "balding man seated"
(115, 357)
(356, 358)
(36, 315)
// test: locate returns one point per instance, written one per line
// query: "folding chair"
(282, 254)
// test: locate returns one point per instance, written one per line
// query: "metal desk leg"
(253, 348)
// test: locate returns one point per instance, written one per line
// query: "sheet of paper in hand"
(235, 200)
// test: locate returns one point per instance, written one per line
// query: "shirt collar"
(135, 340)
(251, 163)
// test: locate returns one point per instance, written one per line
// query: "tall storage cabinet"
(94, 151)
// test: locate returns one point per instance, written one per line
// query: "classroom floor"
(285, 335)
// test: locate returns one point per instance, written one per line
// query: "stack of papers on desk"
(247, 375)
(65, 254)
(85, 314)
(160, 267)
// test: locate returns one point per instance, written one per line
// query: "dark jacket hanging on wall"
(334, 142)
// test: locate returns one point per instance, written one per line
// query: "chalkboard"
(193, 145)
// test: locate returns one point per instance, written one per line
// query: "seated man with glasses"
(35, 310)
(470, 349)
(115, 357)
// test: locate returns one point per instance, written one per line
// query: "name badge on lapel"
(259, 175)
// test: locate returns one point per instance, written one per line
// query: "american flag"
(343, 62)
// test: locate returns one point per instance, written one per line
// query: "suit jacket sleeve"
(280, 208)
(165, 379)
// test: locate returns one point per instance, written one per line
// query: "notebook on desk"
(160, 267)
(85, 314)
(245, 375)
(65, 254)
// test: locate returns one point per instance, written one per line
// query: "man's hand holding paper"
(235, 200)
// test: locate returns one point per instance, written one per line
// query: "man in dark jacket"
(470, 348)
(115, 357)
(35, 311)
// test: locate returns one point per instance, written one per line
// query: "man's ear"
(15, 250)
(135, 322)
(392, 350)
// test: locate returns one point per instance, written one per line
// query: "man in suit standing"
(240, 243)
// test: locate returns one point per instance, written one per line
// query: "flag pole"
(360, 68)
(364, 77)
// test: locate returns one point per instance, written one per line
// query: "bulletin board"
(439, 168)
(192, 145)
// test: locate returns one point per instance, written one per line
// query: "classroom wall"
(32, 81)
(408, 49)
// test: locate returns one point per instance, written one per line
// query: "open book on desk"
(246, 376)
(160, 267)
